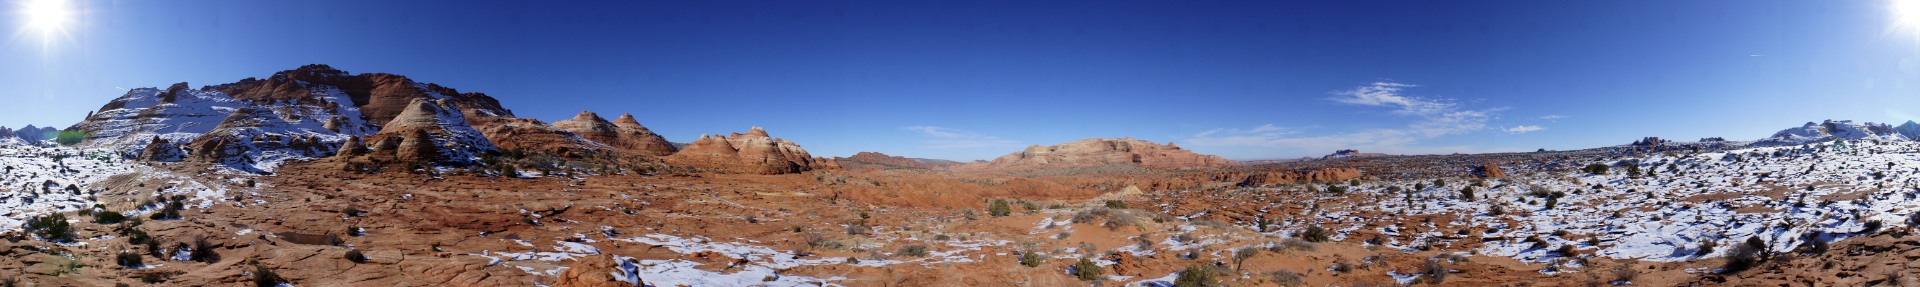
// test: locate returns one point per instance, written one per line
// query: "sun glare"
(51, 19)
(1907, 13)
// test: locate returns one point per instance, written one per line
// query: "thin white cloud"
(1431, 118)
(1554, 118)
(947, 138)
(1524, 129)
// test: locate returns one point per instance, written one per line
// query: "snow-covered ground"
(38, 180)
(1779, 194)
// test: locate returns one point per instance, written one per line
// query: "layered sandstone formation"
(624, 133)
(429, 131)
(752, 152)
(1097, 152)
(535, 136)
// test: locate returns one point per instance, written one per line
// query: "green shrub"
(1086, 270)
(1032, 259)
(1596, 168)
(999, 208)
(52, 227)
(1196, 276)
(108, 217)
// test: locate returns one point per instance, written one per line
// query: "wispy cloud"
(1554, 118)
(947, 138)
(1524, 129)
(1430, 118)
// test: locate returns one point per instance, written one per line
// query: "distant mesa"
(874, 160)
(1098, 152)
(755, 152)
(1349, 153)
(1830, 130)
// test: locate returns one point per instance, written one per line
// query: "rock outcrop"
(535, 136)
(1909, 130)
(161, 150)
(1830, 130)
(1097, 152)
(752, 152)
(625, 134)
(429, 131)
(599, 271)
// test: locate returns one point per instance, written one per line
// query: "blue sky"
(972, 80)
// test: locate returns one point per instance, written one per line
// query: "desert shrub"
(129, 259)
(916, 250)
(999, 208)
(1241, 255)
(1496, 210)
(352, 211)
(1086, 270)
(1288, 278)
(1625, 272)
(1565, 250)
(818, 241)
(859, 229)
(1595, 168)
(1870, 226)
(108, 217)
(1466, 193)
(1291, 244)
(171, 211)
(52, 227)
(1196, 276)
(1086, 216)
(1537, 243)
(1814, 245)
(202, 251)
(1032, 259)
(1116, 204)
(354, 231)
(1316, 234)
(1121, 220)
(263, 277)
(1706, 247)
(1434, 271)
(1746, 255)
(353, 255)
(1343, 266)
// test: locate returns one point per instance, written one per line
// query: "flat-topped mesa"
(1097, 152)
(753, 152)
(625, 134)
(867, 159)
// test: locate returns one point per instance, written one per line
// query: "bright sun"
(47, 16)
